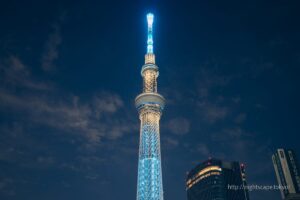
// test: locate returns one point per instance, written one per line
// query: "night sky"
(69, 73)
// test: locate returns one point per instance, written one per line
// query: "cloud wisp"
(17, 75)
(51, 49)
(92, 120)
(178, 126)
(102, 115)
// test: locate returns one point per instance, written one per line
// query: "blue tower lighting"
(150, 19)
(150, 105)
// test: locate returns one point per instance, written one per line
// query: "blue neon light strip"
(150, 19)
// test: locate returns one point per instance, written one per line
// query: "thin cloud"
(51, 54)
(17, 75)
(203, 149)
(98, 117)
(110, 104)
(72, 116)
(208, 79)
(179, 126)
(170, 142)
(240, 118)
(51, 49)
(212, 112)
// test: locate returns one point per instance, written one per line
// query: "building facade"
(287, 173)
(217, 180)
(150, 105)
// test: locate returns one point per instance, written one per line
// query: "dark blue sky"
(70, 72)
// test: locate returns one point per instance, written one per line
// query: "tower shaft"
(149, 105)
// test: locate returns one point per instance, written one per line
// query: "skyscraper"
(287, 173)
(150, 105)
(217, 180)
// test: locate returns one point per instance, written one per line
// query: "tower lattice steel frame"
(150, 105)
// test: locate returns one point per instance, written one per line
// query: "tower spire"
(150, 19)
(150, 57)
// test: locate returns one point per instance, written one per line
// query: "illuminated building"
(217, 180)
(287, 173)
(150, 105)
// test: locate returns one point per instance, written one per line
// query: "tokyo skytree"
(150, 105)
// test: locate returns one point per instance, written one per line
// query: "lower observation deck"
(150, 99)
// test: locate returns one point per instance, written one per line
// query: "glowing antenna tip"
(150, 18)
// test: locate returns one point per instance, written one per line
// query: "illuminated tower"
(149, 105)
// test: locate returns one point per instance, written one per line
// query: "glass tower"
(217, 180)
(150, 105)
(287, 173)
